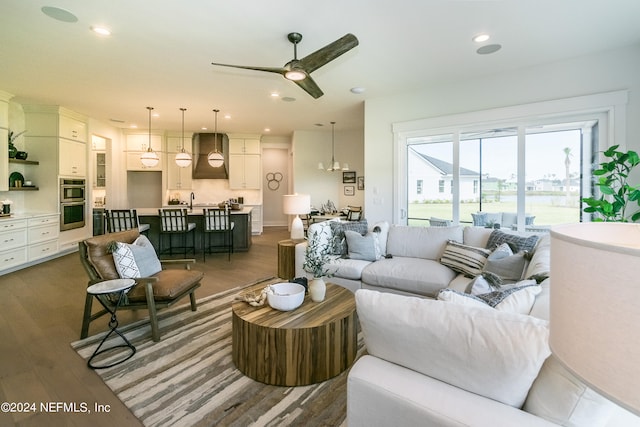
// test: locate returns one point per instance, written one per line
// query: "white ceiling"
(160, 53)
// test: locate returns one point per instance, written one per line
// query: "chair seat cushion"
(171, 284)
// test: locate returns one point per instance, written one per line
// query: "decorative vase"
(317, 289)
(12, 151)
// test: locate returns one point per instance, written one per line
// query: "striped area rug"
(189, 379)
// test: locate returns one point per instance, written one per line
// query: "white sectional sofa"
(458, 361)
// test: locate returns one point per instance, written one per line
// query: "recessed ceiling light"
(156, 115)
(490, 48)
(357, 89)
(133, 126)
(481, 38)
(227, 116)
(203, 128)
(275, 94)
(103, 31)
(59, 14)
(267, 130)
(288, 99)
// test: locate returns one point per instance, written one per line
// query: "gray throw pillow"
(338, 244)
(510, 268)
(365, 247)
(517, 243)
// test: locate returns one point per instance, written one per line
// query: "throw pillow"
(479, 219)
(502, 251)
(517, 299)
(137, 259)
(510, 268)
(517, 243)
(362, 247)
(338, 244)
(494, 354)
(464, 259)
(558, 396)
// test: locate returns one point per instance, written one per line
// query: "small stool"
(119, 286)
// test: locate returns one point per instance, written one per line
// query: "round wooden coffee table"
(308, 345)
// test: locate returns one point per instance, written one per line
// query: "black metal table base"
(113, 324)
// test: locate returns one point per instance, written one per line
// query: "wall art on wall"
(361, 183)
(349, 177)
(349, 190)
(273, 180)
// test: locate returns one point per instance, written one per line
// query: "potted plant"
(616, 193)
(316, 256)
(12, 148)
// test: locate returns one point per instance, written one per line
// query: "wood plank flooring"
(41, 314)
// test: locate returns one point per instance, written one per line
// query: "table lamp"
(296, 204)
(595, 306)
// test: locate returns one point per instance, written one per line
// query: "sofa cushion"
(338, 241)
(558, 396)
(476, 236)
(464, 259)
(517, 242)
(365, 247)
(171, 283)
(346, 268)
(416, 275)
(509, 269)
(540, 264)
(421, 242)
(488, 352)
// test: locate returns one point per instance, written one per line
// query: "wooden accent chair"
(354, 213)
(161, 290)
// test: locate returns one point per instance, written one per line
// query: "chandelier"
(215, 158)
(335, 165)
(183, 159)
(149, 158)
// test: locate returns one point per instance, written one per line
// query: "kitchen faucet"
(191, 197)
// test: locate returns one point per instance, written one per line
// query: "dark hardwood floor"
(41, 314)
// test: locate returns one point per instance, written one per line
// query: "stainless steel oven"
(72, 203)
(72, 190)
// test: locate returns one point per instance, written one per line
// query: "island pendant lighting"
(335, 166)
(150, 158)
(183, 159)
(215, 158)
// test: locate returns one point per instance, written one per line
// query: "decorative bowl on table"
(285, 296)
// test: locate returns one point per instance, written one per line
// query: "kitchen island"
(241, 230)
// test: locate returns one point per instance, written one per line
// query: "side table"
(119, 286)
(287, 258)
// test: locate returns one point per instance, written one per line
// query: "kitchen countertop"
(26, 215)
(197, 210)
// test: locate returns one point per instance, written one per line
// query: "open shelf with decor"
(24, 162)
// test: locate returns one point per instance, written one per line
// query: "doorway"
(275, 167)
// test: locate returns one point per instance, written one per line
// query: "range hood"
(203, 144)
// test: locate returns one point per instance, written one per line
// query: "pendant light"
(335, 166)
(149, 158)
(183, 159)
(215, 158)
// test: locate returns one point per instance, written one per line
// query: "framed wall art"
(348, 177)
(349, 190)
(361, 183)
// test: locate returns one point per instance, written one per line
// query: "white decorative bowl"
(285, 296)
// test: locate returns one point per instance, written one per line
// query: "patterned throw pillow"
(338, 244)
(517, 243)
(464, 259)
(137, 259)
(516, 299)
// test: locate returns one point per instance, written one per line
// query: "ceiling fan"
(298, 70)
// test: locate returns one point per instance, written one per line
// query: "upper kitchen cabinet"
(178, 178)
(245, 163)
(138, 143)
(56, 132)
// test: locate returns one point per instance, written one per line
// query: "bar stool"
(119, 287)
(217, 221)
(175, 222)
(124, 219)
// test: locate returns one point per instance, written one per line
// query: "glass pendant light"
(215, 158)
(149, 158)
(183, 159)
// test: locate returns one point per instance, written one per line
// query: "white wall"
(604, 72)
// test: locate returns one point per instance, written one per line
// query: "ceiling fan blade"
(277, 70)
(310, 87)
(328, 53)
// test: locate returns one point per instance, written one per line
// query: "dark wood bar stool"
(175, 222)
(217, 221)
(124, 219)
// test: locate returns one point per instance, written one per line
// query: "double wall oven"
(72, 203)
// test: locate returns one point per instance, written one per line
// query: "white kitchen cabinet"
(73, 161)
(99, 169)
(245, 162)
(13, 242)
(140, 142)
(4, 140)
(42, 236)
(72, 129)
(245, 171)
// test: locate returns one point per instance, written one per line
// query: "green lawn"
(545, 214)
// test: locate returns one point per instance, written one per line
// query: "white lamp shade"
(296, 204)
(215, 159)
(149, 158)
(595, 306)
(183, 159)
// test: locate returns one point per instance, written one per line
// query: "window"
(536, 168)
(419, 186)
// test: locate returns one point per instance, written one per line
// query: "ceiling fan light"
(295, 75)
(215, 159)
(320, 166)
(183, 159)
(149, 158)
